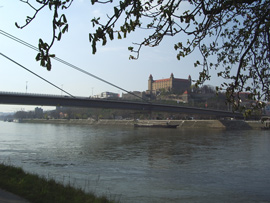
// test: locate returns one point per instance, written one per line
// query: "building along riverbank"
(182, 124)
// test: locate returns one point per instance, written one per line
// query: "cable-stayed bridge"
(56, 100)
(71, 101)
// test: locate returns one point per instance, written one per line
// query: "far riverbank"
(183, 124)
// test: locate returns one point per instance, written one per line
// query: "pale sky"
(109, 63)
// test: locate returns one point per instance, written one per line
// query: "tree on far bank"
(228, 34)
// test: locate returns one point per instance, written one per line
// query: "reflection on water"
(145, 165)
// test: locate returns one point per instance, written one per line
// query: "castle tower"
(189, 78)
(171, 85)
(150, 83)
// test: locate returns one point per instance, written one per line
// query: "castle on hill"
(177, 88)
(172, 85)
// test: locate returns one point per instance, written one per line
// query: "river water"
(144, 164)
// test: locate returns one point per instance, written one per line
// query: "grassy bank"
(36, 189)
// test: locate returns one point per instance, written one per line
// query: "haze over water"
(145, 165)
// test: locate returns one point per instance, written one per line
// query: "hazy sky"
(110, 62)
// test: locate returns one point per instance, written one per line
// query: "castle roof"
(167, 79)
(161, 80)
(171, 77)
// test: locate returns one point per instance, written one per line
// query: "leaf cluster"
(59, 25)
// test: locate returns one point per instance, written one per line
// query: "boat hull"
(155, 126)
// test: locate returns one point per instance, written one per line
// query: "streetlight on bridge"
(61, 90)
(26, 87)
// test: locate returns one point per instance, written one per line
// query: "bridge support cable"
(35, 74)
(69, 64)
(98, 78)
(18, 40)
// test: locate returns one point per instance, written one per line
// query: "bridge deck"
(54, 100)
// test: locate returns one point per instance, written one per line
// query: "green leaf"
(131, 57)
(116, 12)
(90, 37)
(110, 32)
(59, 36)
(64, 18)
(65, 29)
(104, 41)
(94, 48)
(49, 66)
(42, 62)
(38, 57)
(119, 36)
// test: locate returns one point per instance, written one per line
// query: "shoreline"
(183, 124)
(19, 186)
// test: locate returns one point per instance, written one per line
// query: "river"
(144, 164)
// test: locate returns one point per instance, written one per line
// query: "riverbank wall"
(182, 124)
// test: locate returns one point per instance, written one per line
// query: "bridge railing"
(108, 103)
(56, 96)
(35, 94)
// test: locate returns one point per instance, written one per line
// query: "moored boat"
(156, 125)
(266, 121)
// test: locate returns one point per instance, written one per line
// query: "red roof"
(166, 79)
(161, 80)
